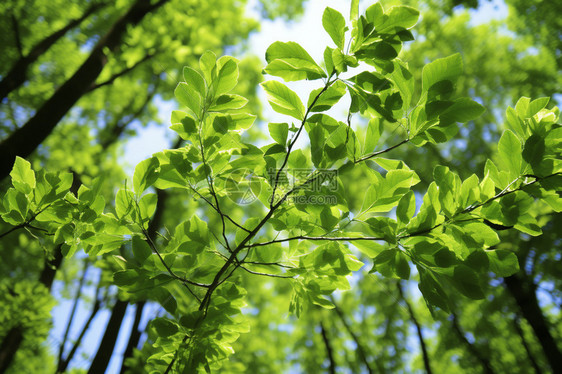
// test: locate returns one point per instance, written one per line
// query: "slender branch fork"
(26, 223)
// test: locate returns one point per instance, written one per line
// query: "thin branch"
(418, 329)
(471, 347)
(73, 311)
(360, 349)
(473, 207)
(374, 154)
(62, 365)
(296, 137)
(266, 274)
(217, 279)
(317, 238)
(329, 350)
(215, 208)
(170, 271)
(269, 264)
(110, 80)
(25, 224)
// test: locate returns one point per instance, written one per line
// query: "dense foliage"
(334, 217)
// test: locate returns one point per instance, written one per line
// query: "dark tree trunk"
(26, 139)
(523, 291)
(135, 335)
(18, 74)
(105, 350)
(9, 347)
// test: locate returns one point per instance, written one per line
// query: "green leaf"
(445, 258)
(207, 63)
(279, 132)
(354, 10)
(227, 75)
(23, 177)
(374, 131)
(399, 18)
(189, 97)
(183, 124)
(462, 110)
(404, 81)
(145, 174)
(147, 206)
(533, 150)
(192, 77)
(402, 265)
(503, 263)
(228, 102)
(448, 68)
(466, 281)
(291, 62)
(123, 203)
(141, 249)
(328, 98)
(334, 24)
(125, 277)
(406, 208)
(509, 154)
(164, 327)
(283, 100)
(432, 291)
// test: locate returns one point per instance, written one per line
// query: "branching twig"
(374, 154)
(316, 238)
(26, 223)
(110, 80)
(296, 137)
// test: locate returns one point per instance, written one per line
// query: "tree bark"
(63, 364)
(9, 347)
(523, 291)
(18, 73)
(135, 335)
(105, 350)
(26, 139)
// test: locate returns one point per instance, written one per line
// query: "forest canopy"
(399, 211)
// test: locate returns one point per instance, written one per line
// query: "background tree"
(372, 329)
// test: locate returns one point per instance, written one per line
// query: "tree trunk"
(26, 139)
(105, 350)
(523, 291)
(9, 347)
(18, 73)
(135, 335)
